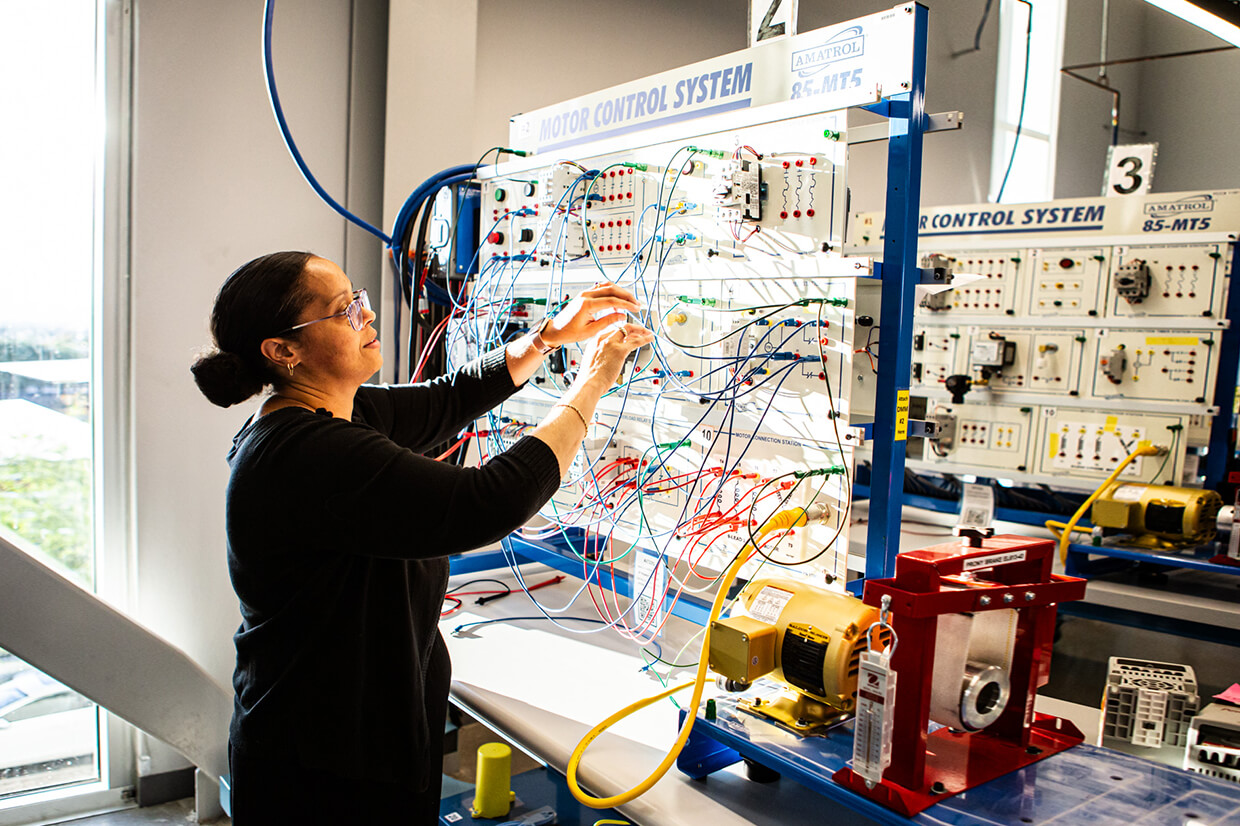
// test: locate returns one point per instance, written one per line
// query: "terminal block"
(944, 429)
(937, 302)
(740, 188)
(937, 269)
(1114, 364)
(1132, 281)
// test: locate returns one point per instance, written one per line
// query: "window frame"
(115, 552)
(111, 414)
(1008, 77)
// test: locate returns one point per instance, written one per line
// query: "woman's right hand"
(562, 431)
(609, 350)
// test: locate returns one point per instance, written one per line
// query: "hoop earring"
(290, 369)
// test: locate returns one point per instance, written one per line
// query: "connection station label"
(830, 68)
(1150, 214)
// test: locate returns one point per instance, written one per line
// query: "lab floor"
(178, 811)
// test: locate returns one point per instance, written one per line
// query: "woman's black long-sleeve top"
(337, 533)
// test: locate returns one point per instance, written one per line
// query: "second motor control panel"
(1056, 351)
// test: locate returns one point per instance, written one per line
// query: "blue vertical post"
(906, 122)
(1225, 382)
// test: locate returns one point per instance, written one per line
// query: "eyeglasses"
(359, 304)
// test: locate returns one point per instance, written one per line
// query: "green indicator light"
(831, 134)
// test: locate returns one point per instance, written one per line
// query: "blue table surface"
(1083, 785)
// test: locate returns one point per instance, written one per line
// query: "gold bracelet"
(575, 410)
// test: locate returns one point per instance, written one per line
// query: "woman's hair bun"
(225, 379)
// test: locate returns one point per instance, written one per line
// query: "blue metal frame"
(1079, 564)
(558, 555)
(1225, 386)
(899, 273)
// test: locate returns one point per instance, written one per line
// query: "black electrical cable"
(404, 287)
(419, 268)
(501, 584)
(977, 36)
(414, 270)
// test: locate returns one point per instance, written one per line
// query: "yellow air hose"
(790, 518)
(1064, 534)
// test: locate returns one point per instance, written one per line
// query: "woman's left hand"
(591, 312)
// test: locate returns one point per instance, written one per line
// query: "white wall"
(526, 55)
(1085, 110)
(1187, 105)
(213, 187)
(458, 70)
(955, 164)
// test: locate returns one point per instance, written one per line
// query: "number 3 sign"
(1130, 169)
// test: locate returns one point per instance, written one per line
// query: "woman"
(337, 531)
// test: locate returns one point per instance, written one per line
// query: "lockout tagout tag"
(876, 697)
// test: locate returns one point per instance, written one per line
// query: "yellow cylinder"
(493, 781)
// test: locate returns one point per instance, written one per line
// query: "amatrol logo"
(847, 44)
(1167, 209)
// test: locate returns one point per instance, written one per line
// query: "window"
(52, 83)
(1030, 175)
(66, 700)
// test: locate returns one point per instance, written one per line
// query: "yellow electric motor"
(1158, 516)
(808, 638)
